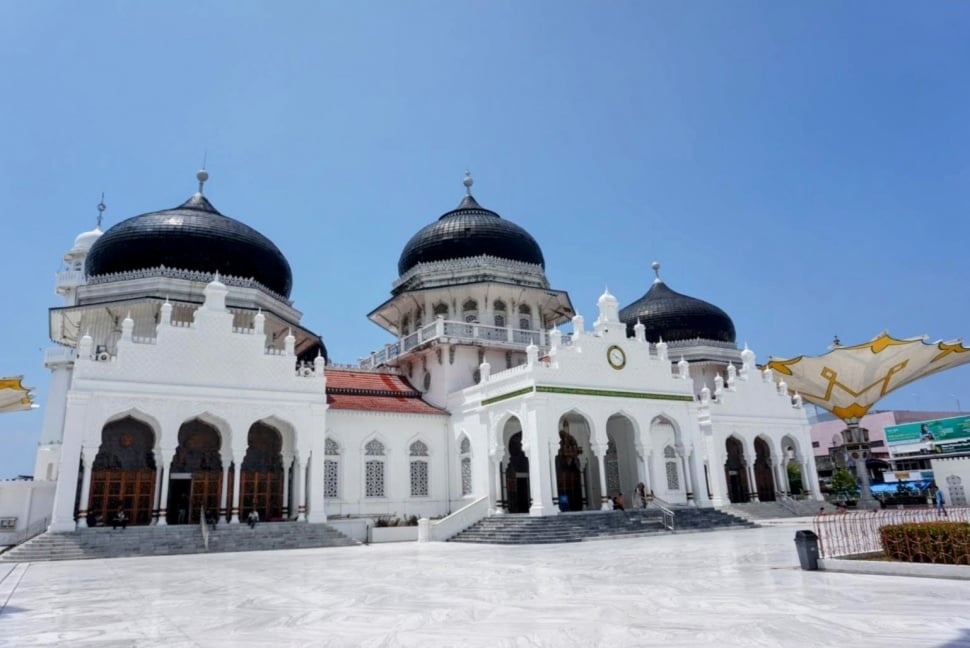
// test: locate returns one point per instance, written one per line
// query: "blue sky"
(804, 166)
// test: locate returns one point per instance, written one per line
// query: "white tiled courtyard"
(726, 588)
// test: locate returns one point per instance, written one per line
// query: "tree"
(843, 484)
(795, 477)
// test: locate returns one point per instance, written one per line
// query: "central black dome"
(192, 236)
(470, 231)
(668, 315)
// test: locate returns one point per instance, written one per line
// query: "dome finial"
(656, 270)
(468, 182)
(101, 208)
(202, 176)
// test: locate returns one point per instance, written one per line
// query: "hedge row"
(945, 543)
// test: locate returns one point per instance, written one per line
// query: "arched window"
(500, 312)
(469, 311)
(441, 308)
(405, 325)
(331, 473)
(419, 469)
(374, 469)
(465, 450)
(419, 319)
(673, 477)
(525, 317)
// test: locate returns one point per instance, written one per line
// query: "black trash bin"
(807, 544)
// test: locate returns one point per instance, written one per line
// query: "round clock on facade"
(616, 357)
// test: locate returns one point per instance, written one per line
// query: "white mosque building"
(183, 381)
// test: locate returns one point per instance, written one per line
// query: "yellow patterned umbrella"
(849, 380)
(14, 397)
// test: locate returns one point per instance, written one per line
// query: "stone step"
(104, 542)
(577, 527)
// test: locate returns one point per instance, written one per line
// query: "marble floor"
(727, 588)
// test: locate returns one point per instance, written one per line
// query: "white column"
(643, 473)
(87, 460)
(224, 495)
(539, 466)
(299, 487)
(752, 484)
(497, 495)
(287, 463)
(599, 451)
(781, 481)
(160, 472)
(316, 512)
(688, 482)
(167, 455)
(237, 478)
(62, 515)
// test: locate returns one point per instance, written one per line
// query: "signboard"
(938, 430)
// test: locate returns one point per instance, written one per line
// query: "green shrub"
(946, 543)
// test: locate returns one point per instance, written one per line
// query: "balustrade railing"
(857, 532)
(35, 528)
(460, 332)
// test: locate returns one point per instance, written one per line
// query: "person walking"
(253, 519)
(939, 503)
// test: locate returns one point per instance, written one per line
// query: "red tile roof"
(374, 392)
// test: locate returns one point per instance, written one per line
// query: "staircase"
(754, 511)
(591, 525)
(104, 542)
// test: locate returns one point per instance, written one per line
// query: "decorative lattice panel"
(419, 479)
(374, 448)
(612, 470)
(673, 478)
(374, 478)
(466, 476)
(331, 480)
(331, 447)
(419, 449)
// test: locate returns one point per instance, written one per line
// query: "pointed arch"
(374, 451)
(465, 463)
(331, 472)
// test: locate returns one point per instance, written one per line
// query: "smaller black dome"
(470, 231)
(192, 236)
(671, 316)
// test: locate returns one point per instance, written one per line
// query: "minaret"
(60, 359)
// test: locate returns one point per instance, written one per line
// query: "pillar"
(781, 478)
(499, 509)
(287, 463)
(62, 515)
(688, 481)
(599, 451)
(87, 460)
(237, 478)
(299, 477)
(538, 465)
(167, 455)
(160, 472)
(224, 495)
(316, 510)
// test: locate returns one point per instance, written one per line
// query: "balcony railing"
(459, 333)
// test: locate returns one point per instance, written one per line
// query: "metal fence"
(857, 532)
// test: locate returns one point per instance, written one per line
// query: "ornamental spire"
(468, 182)
(101, 208)
(656, 271)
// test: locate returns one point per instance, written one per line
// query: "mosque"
(184, 382)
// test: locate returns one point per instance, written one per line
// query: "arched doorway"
(517, 477)
(261, 488)
(763, 478)
(736, 472)
(123, 472)
(569, 470)
(195, 481)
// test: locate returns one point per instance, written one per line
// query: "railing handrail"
(787, 503)
(857, 532)
(460, 520)
(668, 513)
(205, 528)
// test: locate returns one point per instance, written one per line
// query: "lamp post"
(957, 399)
(857, 447)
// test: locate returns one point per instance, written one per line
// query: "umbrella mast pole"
(857, 447)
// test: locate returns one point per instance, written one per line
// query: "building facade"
(184, 384)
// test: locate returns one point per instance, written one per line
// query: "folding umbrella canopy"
(14, 397)
(849, 380)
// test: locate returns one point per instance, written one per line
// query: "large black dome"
(668, 315)
(192, 236)
(470, 231)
